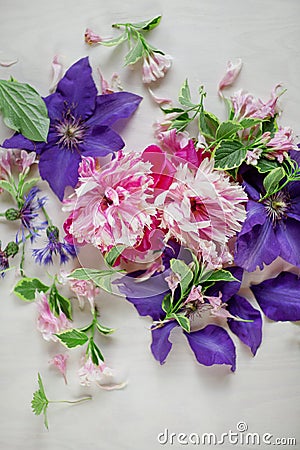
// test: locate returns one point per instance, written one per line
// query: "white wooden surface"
(182, 396)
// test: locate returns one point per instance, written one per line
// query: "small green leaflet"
(40, 402)
(72, 338)
(24, 187)
(167, 304)
(24, 110)
(227, 129)
(181, 121)
(135, 53)
(208, 124)
(26, 288)
(104, 330)
(184, 272)
(101, 278)
(229, 154)
(95, 352)
(272, 180)
(184, 97)
(249, 122)
(8, 187)
(59, 303)
(270, 125)
(266, 165)
(218, 275)
(147, 25)
(113, 254)
(183, 322)
(115, 41)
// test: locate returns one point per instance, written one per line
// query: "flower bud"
(12, 214)
(11, 249)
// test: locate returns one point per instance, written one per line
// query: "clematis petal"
(256, 248)
(60, 168)
(112, 107)
(256, 215)
(78, 88)
(287, 234)
(227, 288)
(294, 194)
(248, 332)
(161, 346)
(147, 296)
(19, 141)
(100, 141)
(212, 345)
(279, 297)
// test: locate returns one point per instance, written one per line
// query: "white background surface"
(182, 396)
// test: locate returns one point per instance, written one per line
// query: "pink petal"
(8, 63)
(57, 73)
(232, 72)
(160, 100)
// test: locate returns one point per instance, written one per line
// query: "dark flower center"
(70, 132)
(276, 205)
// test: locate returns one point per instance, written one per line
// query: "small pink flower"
(232, 72)
(92, 38)
(110, 87)
(91, 373)
(60, 362)
(253, 156)
(173, 280)
(47, 323)
(195, 294)
(84, 290)
(5, 164)
(155, 66)
(280, 144)
(218, 307)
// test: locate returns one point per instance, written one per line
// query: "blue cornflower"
(54, 246)
(80, 125)
(28, 213)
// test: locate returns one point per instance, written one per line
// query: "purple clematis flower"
(211, 344)
(272, 226)
(80, 123)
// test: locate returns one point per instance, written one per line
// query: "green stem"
(22, 260)
(47, 216)
(70, 401)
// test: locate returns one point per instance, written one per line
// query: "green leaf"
(184, 272)
(8, 187)
(27, 186)
(59, 303)
(181, 121)
(135, 53)
(115, 41)
(167, 304)
(249, 122)
(24, 110)
(183, 322)
(270, 125)
(208, 124)
(113, 254)
(72, 338)
(271, 181)
(184, 97)
(147, 25)
(101, 278)
(39, 403)
(104, 330)
(26, 288)
(266, 165)
(227, 129)
(95, 352)
(218, 275)
(229, 154)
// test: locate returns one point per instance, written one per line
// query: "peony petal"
(212, 345)
(279, 297)
(248, 332)
(161, 346)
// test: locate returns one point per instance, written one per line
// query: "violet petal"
(212, 345)
(161, 345)
(279, 297)
(100, 141)
(287, 233)
(248, 332)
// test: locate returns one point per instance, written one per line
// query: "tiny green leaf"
(26, 288)
(28, 185)
(270, 126)
(249, 122)
(184, 272)
(147, 25)
(8, 187)
(218, 275)
(184, 97)
(167, 304)
(183, 322)
(101, 278)
(135, 53)
(24, 110)
(266, 165)
(72, 338)
(104, 330)
(181, 121)
(229, 154)
(271, 181)
(59, 303)
(208, 124)
(115, 41)
(113, 254)
(227, 129)
(95, 352)
(40, 402)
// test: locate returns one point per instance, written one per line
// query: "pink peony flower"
(232, 72)
(111, 205)
(280, 144)
(60, 362)
(162, 170)
(47, 323)
(202, 209)
(155, 66)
